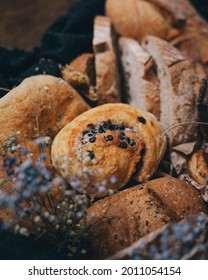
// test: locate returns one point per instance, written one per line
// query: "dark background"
(24, 21)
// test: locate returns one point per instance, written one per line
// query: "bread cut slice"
(141, 82)
(178, 90)
(106, 67)
(80, 74)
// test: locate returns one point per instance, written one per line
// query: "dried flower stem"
(5, 89)
(182, 123)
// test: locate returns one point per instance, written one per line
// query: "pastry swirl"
(103, 148)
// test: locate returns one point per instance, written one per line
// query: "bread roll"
(103, 148)
(117, 221)
(137, 18)
(39, 107)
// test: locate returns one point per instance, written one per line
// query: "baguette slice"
(179, 86)
(142, 86)
(107, 78)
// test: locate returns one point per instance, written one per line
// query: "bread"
(142, 85)
(117, 221)
(198, 165)
(176, 237)
(137, 18)
(80, 74)
(39, 107)
(103, 148)
(180, 85)
(106, 68)
(175, 21)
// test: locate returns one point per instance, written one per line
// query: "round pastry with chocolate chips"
(102, 149)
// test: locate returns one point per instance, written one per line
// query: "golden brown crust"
(85, 149)
(80, 74)
(198, 165)
(124, 17)
(40, 106)
(135, 19)
(121, 219)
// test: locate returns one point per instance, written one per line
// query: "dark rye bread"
(117, 221)
(140, 75)
(181, 84)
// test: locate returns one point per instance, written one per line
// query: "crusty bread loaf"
(40, 106)
(80, 74)
(180, 86)
(115, 222)
(103, 148)
(106, 67)
(137, 18)
(140, 73)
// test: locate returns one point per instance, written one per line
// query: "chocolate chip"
(91, 154)
(142, 120)
(90, 125)
(90, 134)
(92, 139)
(109, 138)
(101, 129)
(122, 145)
(93, 131)
(128, 140)
(132, 143)
(121, 136)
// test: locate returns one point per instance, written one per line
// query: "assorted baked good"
(117, 221)
(146, 53)
(98, 145)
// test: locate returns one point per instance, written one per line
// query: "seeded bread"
(110, 141)
(117, 221)
(106, 67)
(142, 86)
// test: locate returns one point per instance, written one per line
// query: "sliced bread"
(141, 82)
(179, 85)
(107, 78)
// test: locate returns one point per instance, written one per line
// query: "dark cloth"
(68, 37)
